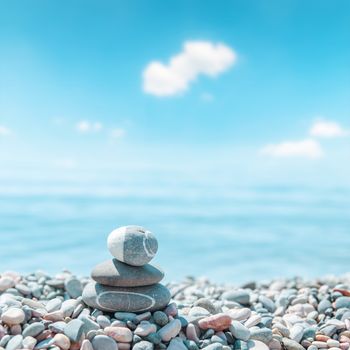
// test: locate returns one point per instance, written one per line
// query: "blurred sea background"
(230, 235)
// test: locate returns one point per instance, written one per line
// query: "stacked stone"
(128, 283)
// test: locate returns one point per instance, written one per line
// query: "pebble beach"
(39, 311)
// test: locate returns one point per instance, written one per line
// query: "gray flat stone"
(74, 330)
(33, 329)
(15, 343)
(118, 274)
(133, 245)
(238, 296)
(73, 287)
(103, 342)
(138, 299)
(239, 331)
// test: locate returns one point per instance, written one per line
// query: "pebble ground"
(39, 311)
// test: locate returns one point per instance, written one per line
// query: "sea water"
(229, 235)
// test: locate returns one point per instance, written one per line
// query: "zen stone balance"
(128, 283)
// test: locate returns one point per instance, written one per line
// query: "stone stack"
(128, 283)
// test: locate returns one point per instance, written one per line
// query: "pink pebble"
(218, 322)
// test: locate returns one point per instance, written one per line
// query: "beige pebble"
(120, 334)
(13, 316)
(86, 345)
(62, 341)
(6, 283)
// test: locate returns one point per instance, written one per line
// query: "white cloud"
(117, 133)
(327, 129)
(305, 148)
(85, 126)
(197, 57)
(4, 131)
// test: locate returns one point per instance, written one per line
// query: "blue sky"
(264, 92)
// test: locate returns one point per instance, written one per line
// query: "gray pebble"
(73, 287)
(33, 329)
(143, 345)
(74, 330)
(160, 318)
(103, 342)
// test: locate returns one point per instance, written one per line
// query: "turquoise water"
(230, 236)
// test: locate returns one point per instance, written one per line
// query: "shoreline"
(39, 311)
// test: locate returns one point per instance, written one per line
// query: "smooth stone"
(143, 345)
(103, 321)
(296, 332)
(214, 346)
(44, 344)
(170, 330)
(238, 296)
(68, 307)
(23, 289)
(138, 299)
(323, 306)
(15, 343)
(197, 313)
(74, 330)
(239, 330)
(218, 322)
(86, 345)
(120, 334)
(290, 344)
(89, 324)
(29, 343)
(103, 342)
(13, 316)
(33, 329)
(133, 245)
(62, 341)
(53, 305)
(262, 334)
(6, 283)
(160, 318)
(239, 314)
(118, 274)
(257, 345)
(153, 338)
(267, 303)
(57, 327)
(73, 287)
(176, 344)
(206, 304)
(145, 328)
(342, 302)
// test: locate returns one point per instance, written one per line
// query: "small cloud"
(305, 148)
(197, 57)
(327, 129)
(86, 126)
(4, 131)
(118, 133)
(207, 97)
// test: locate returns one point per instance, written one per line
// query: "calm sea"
(232, 236)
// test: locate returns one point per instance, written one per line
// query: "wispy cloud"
(305, 148)
(328, 129)
(197, 57)
(4, 131)
(85, 126)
